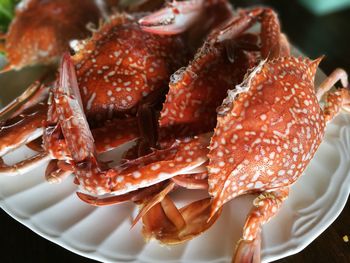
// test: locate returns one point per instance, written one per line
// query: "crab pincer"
(179, 16)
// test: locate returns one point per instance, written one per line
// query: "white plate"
(54, 211)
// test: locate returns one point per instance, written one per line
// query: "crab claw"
(172, 226)
(175, 18)
(75, 127)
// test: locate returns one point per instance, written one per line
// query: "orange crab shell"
(268, 133)
(121, 64)
(196, 92)
(41, 30)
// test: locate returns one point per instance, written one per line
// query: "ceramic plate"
(55, 212)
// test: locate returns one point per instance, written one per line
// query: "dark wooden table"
(329, 35)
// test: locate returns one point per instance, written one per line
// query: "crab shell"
(41, 30)
(268, 130)
(196, 91)
(121, 64)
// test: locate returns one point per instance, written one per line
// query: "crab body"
(196, 91)
(41, 30)
(267, 131)
(121, 64)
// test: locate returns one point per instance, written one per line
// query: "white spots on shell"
(155, 167)
(111, 73)
(117, 53)
(136, 174)
(295, 150)
(179, 159)
(239, 127)
(258, 185)
(221, 163)
(281, 172)
(214, 170)
(263, 117)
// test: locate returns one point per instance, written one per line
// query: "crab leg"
(24, 166)
(338, 99)
(266, 206)
(158, 166)
(33, 95)
(170, 225)
(156, 199)
(335, 102)
(191, 183)
(273, 43)
(28, 128)
(270, 35)
(135, 196)
(55, 174)
(333, 78)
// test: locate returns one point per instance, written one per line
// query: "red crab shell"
(196, 92)
(42, 29)
(268, 133)
(121, 64)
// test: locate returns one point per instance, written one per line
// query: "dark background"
(327, 35)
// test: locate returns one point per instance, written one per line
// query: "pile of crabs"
(239, 115)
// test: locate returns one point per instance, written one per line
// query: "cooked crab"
(41, 30)
(268, 130)
(116, 72)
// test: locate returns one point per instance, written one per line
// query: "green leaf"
(7, 12)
